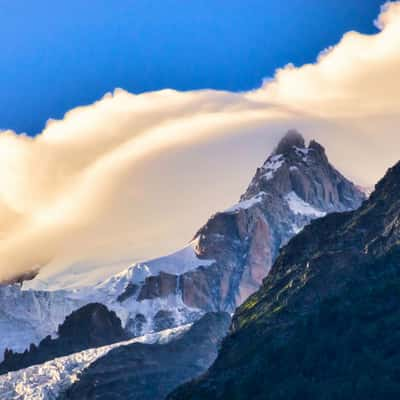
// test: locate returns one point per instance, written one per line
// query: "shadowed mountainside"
(151, 371)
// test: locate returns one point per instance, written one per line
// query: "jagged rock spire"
(316, 146)
(292, 139)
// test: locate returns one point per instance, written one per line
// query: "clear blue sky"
(58, 54)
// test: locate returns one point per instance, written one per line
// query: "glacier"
(46, 381)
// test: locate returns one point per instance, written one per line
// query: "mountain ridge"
(341, 272)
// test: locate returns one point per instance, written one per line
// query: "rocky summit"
(295, 185)
(325, 323)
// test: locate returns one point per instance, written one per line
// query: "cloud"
(349, 97)
(133, 176)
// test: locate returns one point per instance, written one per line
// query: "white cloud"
(133, 176)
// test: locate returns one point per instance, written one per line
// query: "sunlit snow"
(299, 206)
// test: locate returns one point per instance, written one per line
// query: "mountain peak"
(317, 147)
(292, 139)
(390, 182)
(295, 167)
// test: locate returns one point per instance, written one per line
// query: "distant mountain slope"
(225, 263)
(28, 316)
(326, 322)
(149, 372)
(90, 326)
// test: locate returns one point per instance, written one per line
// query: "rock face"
(325, 323)
(295, 185)
(91, 326)
(151, 371)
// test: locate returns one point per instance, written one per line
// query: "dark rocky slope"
(150, 371)
(90, 326)
(326, 322)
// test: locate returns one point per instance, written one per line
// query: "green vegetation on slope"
(348, 349)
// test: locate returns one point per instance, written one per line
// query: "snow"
(302, 152)
(367, 190)
(29, 315)
(77, 275)
(246, 204)
(47, 380)
(178, 262)
(296, 228)
(299, 206)
(272, 165)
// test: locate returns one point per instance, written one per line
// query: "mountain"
(150, 371)
(227, 260)
(90, 326)
(225, 263)
(326, 322)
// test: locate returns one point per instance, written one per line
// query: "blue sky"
(56, 55)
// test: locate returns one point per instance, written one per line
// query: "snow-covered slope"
(29, 315)
(46, 381)
(178, 262)
(299, 206)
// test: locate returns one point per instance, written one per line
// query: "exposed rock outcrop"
(161, 285)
